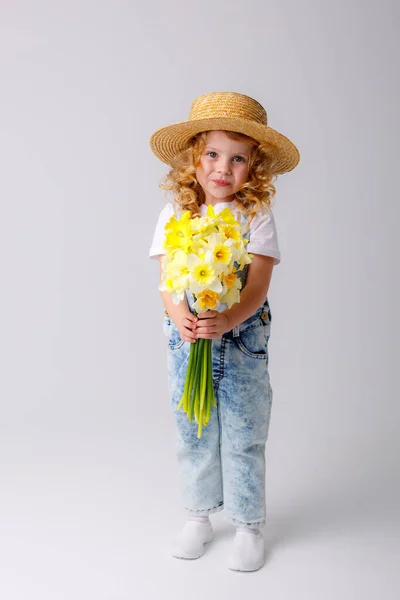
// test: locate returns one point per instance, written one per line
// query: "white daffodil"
(222, 252)
(203, 274)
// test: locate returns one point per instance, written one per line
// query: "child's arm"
(180, 314)
(214, 324)
(254, 292)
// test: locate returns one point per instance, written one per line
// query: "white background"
(89, 484)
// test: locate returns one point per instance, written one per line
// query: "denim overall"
(225, 468)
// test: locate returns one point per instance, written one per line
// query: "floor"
(81, 518)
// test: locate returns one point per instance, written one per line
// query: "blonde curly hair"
(255, 193)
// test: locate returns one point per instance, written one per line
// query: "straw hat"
(228, 111)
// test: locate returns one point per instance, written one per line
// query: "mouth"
(221, 182)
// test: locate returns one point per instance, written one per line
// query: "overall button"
(264, 315)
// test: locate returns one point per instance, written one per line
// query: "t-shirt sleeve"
(156, 247)
(264, 236)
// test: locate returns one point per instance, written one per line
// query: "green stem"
(189, 376)
(194, 381)
(210, 386)
(184, 399)
(203, 384)
(197, 378)
(204, 373)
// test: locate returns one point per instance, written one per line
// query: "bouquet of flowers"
(202, 255)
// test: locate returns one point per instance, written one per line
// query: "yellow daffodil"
(230, 232)
(210, 212)
(206, 300)
(179, 270)
(231, 296)
(202, 226)
(199, 245)
(245, 259)
(229, 279)
(174, 224)
(226, 216)
(222, 254)
(178, 233)
(167, 284)
(177, 239)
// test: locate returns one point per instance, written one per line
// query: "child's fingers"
(207, 336)
(190, 319)
(210, 327)
(187, 338)
(189, 323)
(208, 314)
(188, 335)
(206, 330)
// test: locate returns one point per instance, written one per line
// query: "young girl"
(225, 155)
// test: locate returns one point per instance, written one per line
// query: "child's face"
(225, 160)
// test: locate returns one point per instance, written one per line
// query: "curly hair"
(256, 192)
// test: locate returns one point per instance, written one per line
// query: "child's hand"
(211, 324)
(185, 328)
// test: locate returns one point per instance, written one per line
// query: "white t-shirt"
(263, 236)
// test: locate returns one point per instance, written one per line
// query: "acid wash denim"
(225, 468)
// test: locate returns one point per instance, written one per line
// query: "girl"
(225, 155)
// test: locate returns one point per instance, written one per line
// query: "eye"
(211, 152)
(241, 158)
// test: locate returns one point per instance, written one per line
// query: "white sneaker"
(189, 543)
(247, 552)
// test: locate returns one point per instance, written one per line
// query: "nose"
(223, 166)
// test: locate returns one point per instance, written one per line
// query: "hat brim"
(169, 141)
